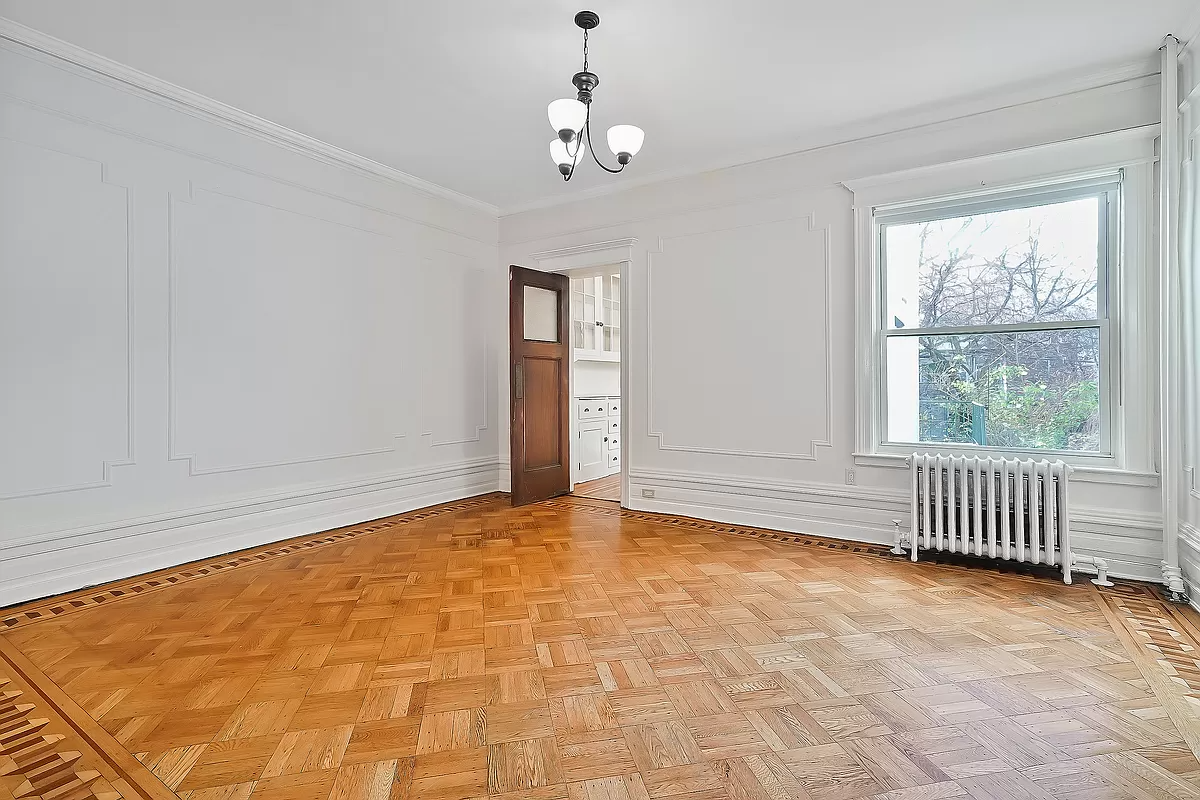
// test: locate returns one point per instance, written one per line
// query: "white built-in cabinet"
(597, 438)
(596, 316)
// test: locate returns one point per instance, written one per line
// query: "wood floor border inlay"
(27, 613)
(1155, 626)
(695, 524)
(50, 749)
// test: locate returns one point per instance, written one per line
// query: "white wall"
(212, 337)
(1189, 491)
(740, 397)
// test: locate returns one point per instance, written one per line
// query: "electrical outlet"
(647, 493)
(850, 477)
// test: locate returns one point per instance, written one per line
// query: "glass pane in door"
(541, 314)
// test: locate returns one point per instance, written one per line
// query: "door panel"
(591, 459)
(539, 381)
(543, 444)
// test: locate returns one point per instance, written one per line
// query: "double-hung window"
(994, 319)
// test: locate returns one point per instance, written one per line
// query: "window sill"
(1086, 473)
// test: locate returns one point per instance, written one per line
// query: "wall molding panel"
(99, 174)
(387, 442)
(654, 429)
(313, 347)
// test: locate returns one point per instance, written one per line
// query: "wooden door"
(539, 384)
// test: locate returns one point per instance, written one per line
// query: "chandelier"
(572, 119)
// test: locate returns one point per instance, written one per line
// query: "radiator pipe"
(1168, 369)
(1097, 563)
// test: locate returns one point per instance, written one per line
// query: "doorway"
(588, 291)
(595, 308)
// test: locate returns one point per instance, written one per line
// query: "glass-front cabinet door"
(596, 317)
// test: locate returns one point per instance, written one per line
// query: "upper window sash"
(1105, 190)
(960, 205)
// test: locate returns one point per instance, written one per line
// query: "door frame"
(598, 254)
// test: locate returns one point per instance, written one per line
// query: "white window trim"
(1131, 344)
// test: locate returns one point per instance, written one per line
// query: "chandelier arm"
(587, 125)
(574, 156)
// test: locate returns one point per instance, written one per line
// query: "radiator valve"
(897, 539)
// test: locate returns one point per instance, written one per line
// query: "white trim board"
(47, 565)
(1189, 558)
(226, 115)
(1132, 543)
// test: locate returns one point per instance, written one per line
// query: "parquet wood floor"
(606, 488)
(573, 651)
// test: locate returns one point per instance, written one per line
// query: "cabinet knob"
(606, 438)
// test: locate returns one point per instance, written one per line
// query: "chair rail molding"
(104, 174)
(196, 104)
(659, 436)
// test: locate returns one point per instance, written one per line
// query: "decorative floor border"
(58, 605)
(51, 748)
(606, 508)
(1012, 569)
(1158, 627)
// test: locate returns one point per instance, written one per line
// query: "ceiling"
(455, 91)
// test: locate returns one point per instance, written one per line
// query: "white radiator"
(996, 508)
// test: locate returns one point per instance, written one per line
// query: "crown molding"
(225, 115)
(1189, 32)
(912, 120)
(1111, 149)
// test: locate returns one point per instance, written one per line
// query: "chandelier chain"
(585, 49)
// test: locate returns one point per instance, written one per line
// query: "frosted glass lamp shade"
(625, 139)
(566, 114)
(561, 153)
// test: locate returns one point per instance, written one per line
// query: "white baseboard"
(68, 560)
(1189, 561)
(1132, 543)
(838, 512)
(504, 475)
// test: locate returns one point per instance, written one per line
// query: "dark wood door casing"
(539, 393)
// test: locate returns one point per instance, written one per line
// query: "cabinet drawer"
(614, 408)
(614, 425)
(613, 443)
(591, 409)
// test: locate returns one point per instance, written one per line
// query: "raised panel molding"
(191, 458)
(72, 229)
(655, 431)
(474, 320)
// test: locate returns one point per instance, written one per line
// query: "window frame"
(1133, 342)
(1108, 190)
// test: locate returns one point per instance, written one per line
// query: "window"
(994, 328)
